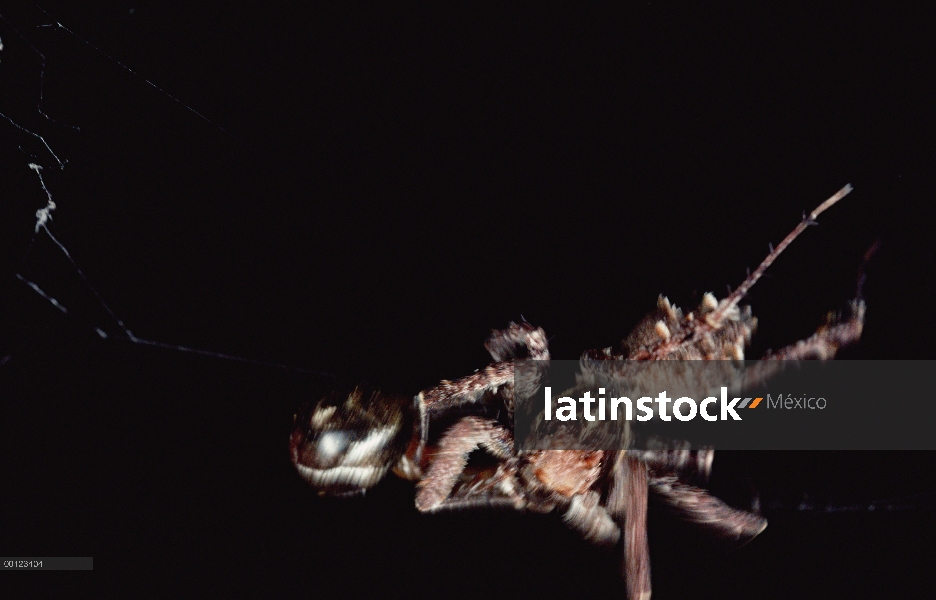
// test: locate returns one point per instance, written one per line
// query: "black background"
(371, 190)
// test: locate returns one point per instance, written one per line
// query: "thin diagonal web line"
(57, 24)
(43, 217)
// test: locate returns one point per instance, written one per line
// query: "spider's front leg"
(518, 340)
(434, 491)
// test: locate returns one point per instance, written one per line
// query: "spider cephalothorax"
(343, 448)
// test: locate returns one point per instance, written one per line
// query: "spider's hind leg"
(697, 506)
(839, 331)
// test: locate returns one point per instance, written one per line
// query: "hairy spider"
(344, 445)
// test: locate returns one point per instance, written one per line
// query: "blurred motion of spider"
(343, 445)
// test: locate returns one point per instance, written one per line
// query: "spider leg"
(627, 501)
(823, 344)
(697, 506)
(472, 502)
(495, 380)
(470, 433)
(478, 387)
(677, 458)
(507, 344)
(586, 515)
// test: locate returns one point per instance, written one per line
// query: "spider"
(345, 445)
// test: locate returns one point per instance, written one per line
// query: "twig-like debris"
(742, 290)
